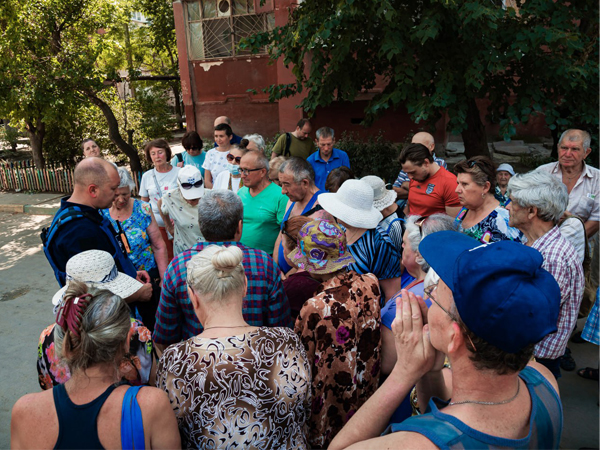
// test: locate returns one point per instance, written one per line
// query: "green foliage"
(436, 56)
(375, 156)
(9, 136)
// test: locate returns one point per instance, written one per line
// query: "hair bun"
(227, 259)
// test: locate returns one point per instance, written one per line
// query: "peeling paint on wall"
(207, 66)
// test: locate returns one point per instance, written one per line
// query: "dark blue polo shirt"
(322, 168)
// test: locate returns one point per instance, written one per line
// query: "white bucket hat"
(97, 268)
(352, 204)
(506, 168)
(190, 182)
(382, 196)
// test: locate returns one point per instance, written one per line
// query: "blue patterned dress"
(493, 228)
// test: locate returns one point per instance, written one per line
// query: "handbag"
(132, 426)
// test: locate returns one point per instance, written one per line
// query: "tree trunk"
(474, 135)
(36, 138)
(178, 113)
(114, 134)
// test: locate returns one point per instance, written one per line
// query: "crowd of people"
(248, 302)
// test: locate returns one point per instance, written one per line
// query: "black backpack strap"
(313, 210)
(179, 157)
(288, 143)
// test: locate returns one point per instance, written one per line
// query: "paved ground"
(27, 285)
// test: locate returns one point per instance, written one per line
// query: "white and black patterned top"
(246, 391)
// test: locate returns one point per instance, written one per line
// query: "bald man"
(78, 225)
(401, 184)
(226, 120)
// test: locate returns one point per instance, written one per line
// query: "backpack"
(288, 143)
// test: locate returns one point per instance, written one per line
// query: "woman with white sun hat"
(352, 207)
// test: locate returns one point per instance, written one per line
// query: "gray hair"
(432, 224)
(574, 135)
(257, 139)
(217, 272)
(219, 213)
(126, 180)
(541, 190)
(261, 159)
(103, 330)
(325, 132)
(299, 168)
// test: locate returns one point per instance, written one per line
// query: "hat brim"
(192, 193)
(388, 200)
(355, 218)
(123, 285)
(321, 267)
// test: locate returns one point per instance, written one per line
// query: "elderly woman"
(352, 207)
(231, 179)
(481, 216)
(253, 142)
(339, 326)
(157, 181)
(274, 166)
(90, 410)
(234, 385)
(503, 174)
(178, 209)
(134, 221)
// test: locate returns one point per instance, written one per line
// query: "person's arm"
(276, 249)
(453, 211)
(415, 358)
(591, 227)
(167, 329)
(388, 350)
(159, 248)
(165, 217)
(390, 286)
(278, 306)
(159, 419)
(401, 191)
(144, 294)
(278, 147)
(208, 179)
(145, 199)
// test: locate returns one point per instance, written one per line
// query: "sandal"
(567, 362)
(589, 373)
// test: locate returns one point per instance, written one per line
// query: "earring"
(483, 195)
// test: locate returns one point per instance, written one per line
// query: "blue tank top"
(448, 432)
(77, 424)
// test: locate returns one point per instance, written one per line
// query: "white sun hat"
(382, 197)
(97, 268)
(507, 168)
(190, 182)
(352, 204)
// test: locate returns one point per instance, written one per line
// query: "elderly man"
(538, 200)
(235, 139)
(402, 182)
(495, 395)
(78, 225)
(295, 143)
(503, 174)
(326, 158)
(220, 218)
(297, 181)
(582, 181)
(432, 188)
(264, 204)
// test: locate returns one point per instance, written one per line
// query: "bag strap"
(156, 183)
(132, 425)
(288, 143)
(179, 157)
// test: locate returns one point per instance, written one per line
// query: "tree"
(438, 56)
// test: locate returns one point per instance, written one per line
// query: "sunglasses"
(232, 158)
(429, 291)
(187, 186)
(195, 148)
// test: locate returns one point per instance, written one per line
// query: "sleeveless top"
(282, 263)
(77, 424)
(448, 432)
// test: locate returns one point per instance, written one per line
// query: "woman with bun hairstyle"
(234, 384)
(86, 411)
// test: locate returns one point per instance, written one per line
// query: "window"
(215, 27)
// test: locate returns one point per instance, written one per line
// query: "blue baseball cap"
(501, 291)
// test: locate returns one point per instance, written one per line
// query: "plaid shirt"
(402, 177)
(560, 259)
(265, 303)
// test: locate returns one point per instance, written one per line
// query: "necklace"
(503, 402)
(219, 326)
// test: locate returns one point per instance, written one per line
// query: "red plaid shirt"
(560, 259)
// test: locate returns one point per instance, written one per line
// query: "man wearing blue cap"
(493, 303)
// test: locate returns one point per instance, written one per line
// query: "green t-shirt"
(263, 215)
(301, 148)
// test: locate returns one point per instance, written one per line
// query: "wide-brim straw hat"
(96, 268)
(382, 196)
(352, 204)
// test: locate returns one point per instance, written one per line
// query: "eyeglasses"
(429, 291)
(232, 158)
(187, 186)
(419, 223)
(246, 172)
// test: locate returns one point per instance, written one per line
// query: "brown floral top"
(339, 328)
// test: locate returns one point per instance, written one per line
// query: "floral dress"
(493, 228)
(135, 228)
(135, 366)
(340, 329)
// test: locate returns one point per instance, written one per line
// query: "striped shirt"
(375, 255)
(265, 303)
(561, 260)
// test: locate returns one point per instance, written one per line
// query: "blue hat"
(500, 290)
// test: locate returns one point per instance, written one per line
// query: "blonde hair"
(217, 272)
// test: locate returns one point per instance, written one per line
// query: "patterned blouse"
(246, 391)
(502, 198)
(375, 255)
(340, 329)
(493, 228)
(135, 229)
